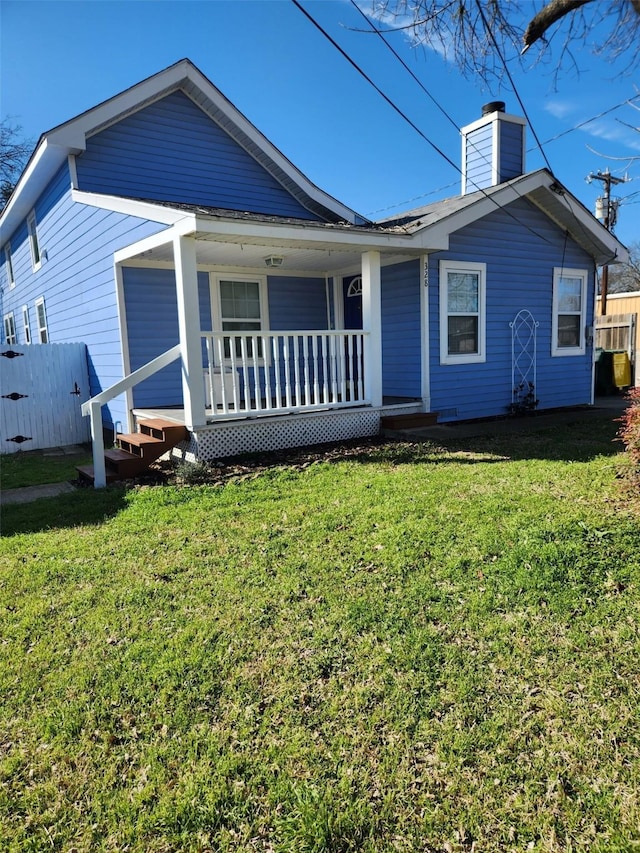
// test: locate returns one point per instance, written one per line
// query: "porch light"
(274, 261)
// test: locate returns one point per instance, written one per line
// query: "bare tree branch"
(546, 17)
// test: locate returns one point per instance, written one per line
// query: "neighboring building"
(161, 226)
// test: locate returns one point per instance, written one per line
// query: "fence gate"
(41, 390)
(616, 333)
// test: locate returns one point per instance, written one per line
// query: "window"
(41, 319)
(10, 329)
(241, 307)
(569, 307)
(36, 258)
(9, 266)
(462, 312)
(26, 325)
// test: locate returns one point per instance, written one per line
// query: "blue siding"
(511, 150)
(297, 303)
(519, 275)
(401, 331)
(478, 158)
(172, 151)
(152, 320)
(77, 279)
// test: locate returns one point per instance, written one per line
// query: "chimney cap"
(493, 107)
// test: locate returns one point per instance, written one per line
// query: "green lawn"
(410, 649)
(34, 468)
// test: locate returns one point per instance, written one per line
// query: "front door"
(352, 299)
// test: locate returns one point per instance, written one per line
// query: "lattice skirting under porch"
(232, 438)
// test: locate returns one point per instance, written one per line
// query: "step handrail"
(134, 378)
(93, 407)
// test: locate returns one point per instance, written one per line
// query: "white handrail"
(93, 408)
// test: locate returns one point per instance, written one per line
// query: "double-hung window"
(11, 279)
(34, 244)
(569, 311)
(41, 319)
(10, 329)
(240, 305)
(462, 312)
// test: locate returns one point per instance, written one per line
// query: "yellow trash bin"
(621, 369)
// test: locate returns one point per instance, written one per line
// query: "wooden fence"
(41, 390)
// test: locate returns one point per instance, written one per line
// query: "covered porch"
(248, 367)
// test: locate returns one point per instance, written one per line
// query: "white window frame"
(216, 304)
(583, 275)
(26, 325)
(43, 328)
(34, 242)
(9, 266)
(446, 267)
(9, 323)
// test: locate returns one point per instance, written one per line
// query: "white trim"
(8, 260)
(73, 171)
(445, 267)
(124, 341)
(26, 324)
(34, 242)
(425, 336)
(189, 326)
(215, 277)
(372, 323)
(10, 334)
(583, 275)
(161, 238)
(130, 206)
(42, 328)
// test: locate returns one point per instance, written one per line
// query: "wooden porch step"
(418, 420)
(164, 429)
(86, 474)
(136, 451)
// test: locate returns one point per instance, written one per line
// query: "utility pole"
(607, 211)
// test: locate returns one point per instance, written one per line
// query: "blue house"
(216, 287)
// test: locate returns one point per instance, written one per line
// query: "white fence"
(41, 390)
(283, 371)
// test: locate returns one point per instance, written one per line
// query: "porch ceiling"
(213, 251)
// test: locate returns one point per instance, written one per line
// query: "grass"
(412, 648)
(35, 468)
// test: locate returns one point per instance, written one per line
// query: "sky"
(61, 57)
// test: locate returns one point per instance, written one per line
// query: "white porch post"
(184, 254)
(372, 323)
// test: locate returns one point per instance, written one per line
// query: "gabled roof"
(56, 145)
(432, 224)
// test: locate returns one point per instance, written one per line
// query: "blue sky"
(58, 59)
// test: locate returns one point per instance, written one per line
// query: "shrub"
(629, 432)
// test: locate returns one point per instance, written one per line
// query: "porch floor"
(177, 413)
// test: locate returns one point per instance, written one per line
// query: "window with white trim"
(41, 319)
(26, 325)
(34, 244)
(462, 312)
(569, 311)
(9, 266)
(240, 305)
(10, 329)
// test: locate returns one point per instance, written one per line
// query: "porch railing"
(263, 373)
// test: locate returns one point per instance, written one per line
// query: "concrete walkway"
(33, 493)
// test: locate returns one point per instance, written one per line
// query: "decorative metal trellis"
(523, 360)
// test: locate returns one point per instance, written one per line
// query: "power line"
(489, 32)
(412, 124)
(628, 102)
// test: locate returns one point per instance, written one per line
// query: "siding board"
(172, 151)
(520, 267)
